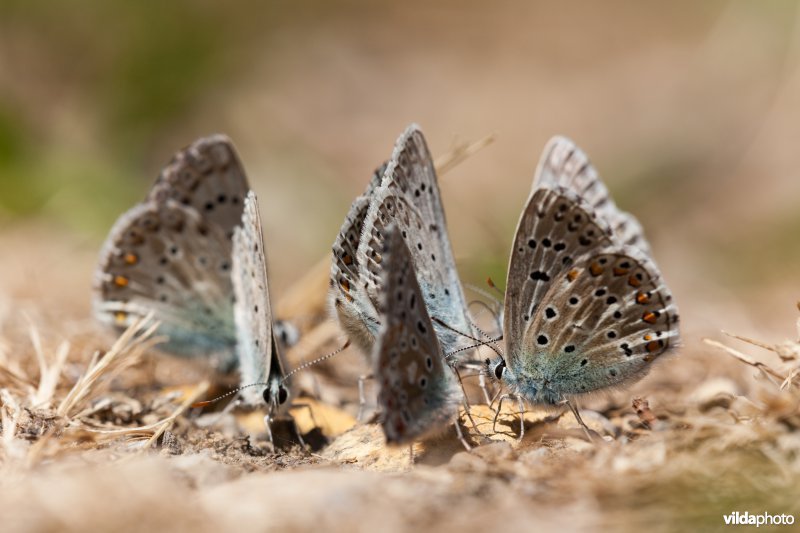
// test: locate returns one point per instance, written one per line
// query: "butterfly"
(261, 364)
(404, 192)
(418, 391)
(171, 254)
(586, 308)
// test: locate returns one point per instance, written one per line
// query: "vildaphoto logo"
(764, 519)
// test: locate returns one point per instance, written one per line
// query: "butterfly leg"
(583, 425)
(362, 397)
(484, 388)
(467, 408)
(461, 435)
(300, 439)
(499, 407)
(310, 412)
(521, 418)
(268, 425)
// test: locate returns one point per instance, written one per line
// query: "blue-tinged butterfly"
(585, 308)
(171, 254)
(405, 192)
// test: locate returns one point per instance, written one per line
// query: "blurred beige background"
(689, 111)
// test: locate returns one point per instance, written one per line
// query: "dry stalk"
(125, 353)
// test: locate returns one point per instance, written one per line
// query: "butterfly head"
(533, 387)
(277, 397)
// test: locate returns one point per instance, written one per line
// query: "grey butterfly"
(586, 308)
(171, 254)
(409, 198)
(419, 393)
(260, 359)
(353, 306)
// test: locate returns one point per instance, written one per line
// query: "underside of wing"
(418, 394)
(564, 165)
(602, 323)
(409, 199)
(556, 229)
(354, 307)
(252, 312)
(209, 177)
(164, 258)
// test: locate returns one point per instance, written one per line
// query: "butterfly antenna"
(204, 403)
(317, 360)
(479, 342)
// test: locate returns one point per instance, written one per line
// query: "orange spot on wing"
(633, 282)
(120, 316)
(649, 317)
(648, 337)
(620, 271)
(121, 281)
(345, 285)
(595, 269)
(572, 274)
(347, 259)
(654, 346)
(642, 298)
(131, 259)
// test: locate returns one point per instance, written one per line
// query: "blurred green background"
(688, 109)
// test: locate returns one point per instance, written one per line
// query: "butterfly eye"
(283, 395)
(500, 369)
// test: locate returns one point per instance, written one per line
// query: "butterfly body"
(586, 308)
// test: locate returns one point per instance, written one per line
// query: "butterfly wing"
(166, 259)
(259, 360)
(354, 307)
(556, 229)
(409, 198)
(209, 177)
(418, 394)
(602, 323)
(171, 254)
(564, 165)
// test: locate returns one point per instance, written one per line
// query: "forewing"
(603, 322)
(409, 198)
(208, 176)
(255, 347)
(166, 259)
(417, 391)
(556, 229)
(564, 165)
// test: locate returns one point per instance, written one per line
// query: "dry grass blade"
(49, 377)
(167, 422)
(459, 153)
(125, 352)
(787, 351)
(765, 369)
(153, 431)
